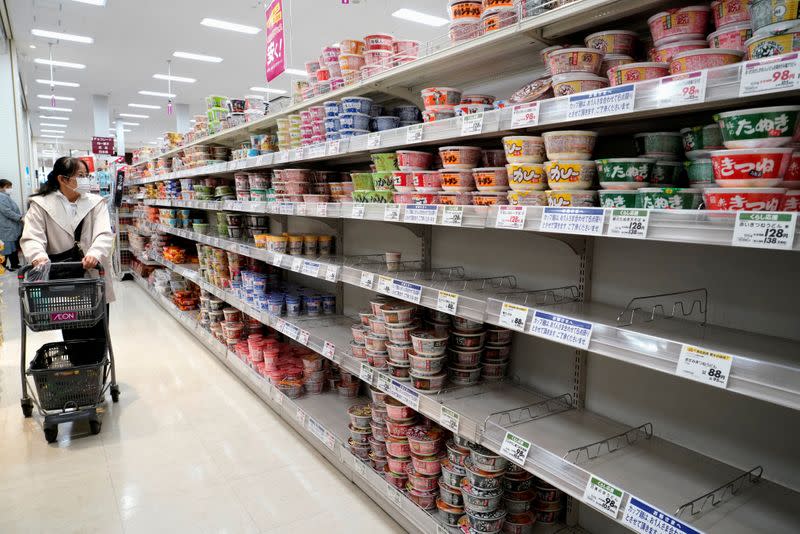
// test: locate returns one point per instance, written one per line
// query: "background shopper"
(10, 224)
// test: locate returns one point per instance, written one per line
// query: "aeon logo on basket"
(60, 317)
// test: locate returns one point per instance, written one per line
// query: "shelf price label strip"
(603, 496)
(645, 518)
(706, 366)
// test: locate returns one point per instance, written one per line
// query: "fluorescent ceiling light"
(53, 118)
(62, 36)
(159, 138)
(32, 46)
(65, 64)
(232, 26)
(134, 116)
(51, 108)
(144, 106)
(296, 72)
(64, 98)
(418, 16)
(129, 123)
(156, 93)
(114, 130)
(268, 90)
(198, 57)
(100, 3)
(152, 142)
(53, 124)
(52, 131)
(52, 136)
(58, 84)
(171, 78)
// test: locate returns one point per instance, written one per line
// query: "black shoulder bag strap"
(75, 253)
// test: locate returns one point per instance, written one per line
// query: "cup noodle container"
(350, 63)
(687, 23)
(733, 36)
(663, 53)
(577, 82)
(730, 12)
(464, 31)
(750, 167)
(351, 46)
(637, 72)
(489, 5)
(465, 10)
(379, 41)
(570, 60)
(612, 42)
(497, 19)
(378, 58)
(330, 54)
(766, 12)
(774, 40)
(703, 59)
(406, 48)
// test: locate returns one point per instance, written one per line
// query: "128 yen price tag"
(511, 217)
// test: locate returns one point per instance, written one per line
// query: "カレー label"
(453, 215)
(706, 366)
(561, 329)
(583, 221)
(644, 518)
(472, 124)
(630, 223)
(525, 115)
(511, 217)
(513, 316)
(414, 133)
(422, 214)
(515, 448)
(449, 419)
(773, 230)
(602, 102)
(768, 75)
(391, 213)
(682, 89)
(447, 302)
(603, 496)
(367, 280)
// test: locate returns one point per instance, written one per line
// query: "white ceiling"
(133, 39)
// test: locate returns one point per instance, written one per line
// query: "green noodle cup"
(770, 127)
(667, 173)
(670, 198)
(361, 196)
(383, 181)
(362, 181)
(619, 198)
(379, 197)
(385, 161)
(667, 145)
(699, 171)
(624, 173)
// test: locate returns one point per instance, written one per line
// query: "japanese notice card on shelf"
(405, 394)
(420, 214)
(561, 329)
(583, 221)
(702, 365)
(645, 518)
(602, 102)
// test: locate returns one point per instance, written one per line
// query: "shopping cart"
(68, 382)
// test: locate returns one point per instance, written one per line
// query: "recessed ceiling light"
(100, 3)
(62, 36)
(157, 93)
(52, 131)
(52, 136)
(51, 108)
(171, 78)
(53, 118)
(232, 26)
(144, 106)
(418, 16)
(32, 46)
(129, 123)
(134, 116)
(296, 72)
(58, 84)
(64, 98)
(53, 124)
(268, 90)
(198, 57)
(65, 64)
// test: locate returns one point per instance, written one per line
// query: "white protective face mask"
(84, 185)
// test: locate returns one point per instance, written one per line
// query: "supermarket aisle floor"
(187, 449)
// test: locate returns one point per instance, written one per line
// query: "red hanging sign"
(276, 59)
(103, 145)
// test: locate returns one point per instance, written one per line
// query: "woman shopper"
(10, 224)
(66, 223)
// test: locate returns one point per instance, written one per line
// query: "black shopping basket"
(61, 385)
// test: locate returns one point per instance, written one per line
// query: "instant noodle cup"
(693, 60)
(379, 41)
(733, 36)
(403, 181)
(744, 199)
(427, 181)
(614, 60)
(637, 72)
(460, 157)
(679, 24)
(523, 149)
(413, 160)
(526, 177)
(527, 198)
(624, 173)
(498, 18)
(566, 60)
(766, 12)
(772, 126)
(406, 48)
(791, 200)
(577, 82)
(750, 167)
(573, 199)
(619, 198)
(730, 12)
(351, 46)
(612, 42)
(774, 43)
(569, 144)
(351, 62)
(673, 198)
(465, 10)
(441, 96)
(570, 174)
(457, 181)
(791, 178)
(664, 53)
(491, 179)
(438, 113)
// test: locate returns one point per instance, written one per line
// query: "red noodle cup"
(791, 178)
(465, 10)
(612, 41)
(379, 41)
(427, 181)
(427, 465)
(498, 18)
(730, 11)
(351, 46)
(679, 24)
(441, 96)
(395, 479)
(403, 181)
(397, 410)
(577, 82)
(457, 180)
(791, 200)
(330, 54)
(398, 465)
(399, 429)
(744, 199)
(750, 167)
(438, 113)
(693, 60)
(569, 60)
(491, 179)
(733, 36)
(464, 31)
(637, 72)
(398, 447)
(413, 160)
(406, 48)
(420, 482)
(323, 74)
(460, 157)
(351, 63)
(382, 58)
(663, 53)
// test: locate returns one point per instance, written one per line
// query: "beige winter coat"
(49, 229)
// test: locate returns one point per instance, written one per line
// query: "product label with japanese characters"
(631, 223)
(511, 217)
(689, 88)
(374, 140)
(765, 230)
(603, 496)
(414, 133)
(449, 419)
(367, 280)
(584, 221)
(447, 302)
(421, 214)
(472, 124)
(515, 448)
(310, 268)
(453, 215)
(647, 519)
(706, 366)
(513, 316)
(561, 329)
(358, 211)
(406, 291)
(601, 102)
(391, 213)
(366, 373)
(332, 274)
(384, 284)
(405, 394)
(781, 73)
(525, 115)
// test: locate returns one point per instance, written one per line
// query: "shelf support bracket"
(691, 304)
(726, 491)
(612, 444)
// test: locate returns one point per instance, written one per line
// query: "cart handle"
(26, 268)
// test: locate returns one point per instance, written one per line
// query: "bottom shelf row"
(437, 485)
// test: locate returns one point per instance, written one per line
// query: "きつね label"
(561, 329)
(603, 496)
(773, 230)
(515, 448)
(703, 365)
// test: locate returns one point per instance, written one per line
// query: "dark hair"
(4, 183)
(64, 166)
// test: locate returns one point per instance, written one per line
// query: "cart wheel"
(27, 407)
(95, 426)
(51, 434)
(115, 393)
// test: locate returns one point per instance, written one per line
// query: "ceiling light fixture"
(58, 84)
(53, 131)
(32, 46)
(197, 57)
(53, 63)
(51, 108)
(157, 93)
(144, 106)
(52, 136)
(134, 116)
(100, 3)
(64, 98)
(57, 125)
(129, 123)
(53, 118)
(114, 130)
(62, 36)
(172, 78)
(231, 26)
(268, 90)
(296, 72)
(418, 16)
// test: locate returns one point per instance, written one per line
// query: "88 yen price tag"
(513, 316)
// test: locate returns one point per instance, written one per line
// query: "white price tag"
(420, 214)
(394, 496)
(645, 518)
(302, 208)
(286, 208)
(447, 302)
(511, 217)
(513, 316)
(472, 124)
(297, 264)
(317, 150)
(391, 213)
(781, 73)
(278, 396)
(303, 337)
(298, 153)
(583, 221)
(449, 419)
(329, 350)
(414, 133)
(332, 274)
(291, 331)
(630, 223)
(384, 383)
(277, 259)
(333, 147)
(706, 366)
(301, 417)
(360, 467)
(405, 394)
(603, 496)
(358, 211)
(406, 291)
(765, 229)
(322, 210)
(525, 115)
(329, 440)
(682, 89)
(367, 280)
(310, 268)
(282, 156)
(263, 160)
(601, 102)
(453, 215)
(374, 140)
(366, 374)
(384, 284)
(515, 448)
(561, 329)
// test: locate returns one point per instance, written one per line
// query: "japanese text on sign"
(384, 383)
(303, 337)
(515, 448)
(391, 213)
(333, 147)
(405, 394)
(453, 215)
(329, 350)
(601, 102)
(584, 221)
(561, 329)
(525, 115)
(406, 291)
(367, 280)
(683, 89)
(277, 259)
(706, 366)
(603, 496)
(646, 519)
(310, 268)
(322, 209)
(447, 302)
(513, 316)
(374, 140)
(511, 217)
(302, 208)
(472, 124)
(358, 211)
(765, 230)
(768, 75)
(449, 419)
(631, 223)
(384, 284)
(332, 274)
(297, 264)
(366, 373)
(414, 133)
(421, 214)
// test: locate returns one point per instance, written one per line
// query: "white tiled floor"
(187, 449)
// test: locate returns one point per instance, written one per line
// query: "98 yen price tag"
(525, 115)
(603, 496)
